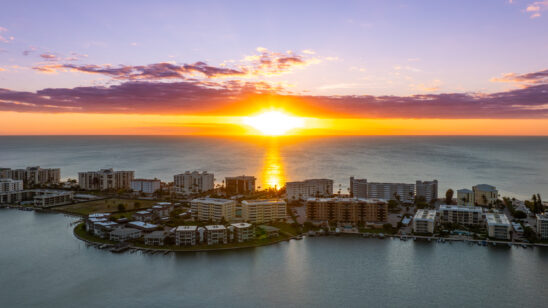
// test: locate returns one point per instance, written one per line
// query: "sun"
(274, 123)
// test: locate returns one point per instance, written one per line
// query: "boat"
(381, 235)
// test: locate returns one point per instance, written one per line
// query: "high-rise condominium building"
(33, 175)
(391, 191)
(346, 210)
(193, 182)
(309, 189)
(465, 197)
(105, 179)
(240, 184)
(358, 187)
(204, 209)
(462, 215)
(427, 189)
(263, 211)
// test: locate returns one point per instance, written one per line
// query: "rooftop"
(217, 201)
(497, 219)
(124, 231)
(186, 228)
(142, 224)
(263, 202)
(336, 199)
(426, 214)
(461, 208)
(142, 212)
(241, 225)
(215, 227)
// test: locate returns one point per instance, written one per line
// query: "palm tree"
(449, 196)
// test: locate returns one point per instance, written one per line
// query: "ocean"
(517, 166)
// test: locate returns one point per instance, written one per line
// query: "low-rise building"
(311, 188)
(124, 234)
(143, 215)
(485, 195)
(143, 226)
(243, 232)
(346, 210)
(49, 198)
(270, 231)
(186, 235)
(204, 209)
(465, 197)
(498, 226)
(424, 221)
(216, 234)
(162, 209)
(146, 186)
(542, 226)
(156, 238)
(263, 211)
(462, 215)
(102, 229)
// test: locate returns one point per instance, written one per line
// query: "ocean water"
(43, 265)
(517, 166)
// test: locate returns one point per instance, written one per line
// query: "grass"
(105, 205)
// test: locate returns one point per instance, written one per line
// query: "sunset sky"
(204, 67)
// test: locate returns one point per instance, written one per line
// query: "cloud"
(263, 64)
(235, 97)
(49, 57)
(524, 79)
(3, 38)
(535, 8)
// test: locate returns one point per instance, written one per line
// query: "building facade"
(216, 234)
(147, 186)
(263, 211)
(240, 184)
(465, 197)
(391, 191)
(186, 235)
(542, 226)
(498, 226)
(485, 195)
(358, 188)
(49, 198)
(346, 210)
(33, 175)
(105, 179)
(204, 209)
(311, 188)
(10, 185)
(427, 189)
(193, 182)
(243, 232)
(424, 221)
(462, 215)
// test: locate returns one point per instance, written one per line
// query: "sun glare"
(274, 123)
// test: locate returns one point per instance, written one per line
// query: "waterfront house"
(186, 235)
(124, 234)
(143, 226)
(102, 229)
(424, 221)
(216, 234)
(498, 226)
(155, 238)
(243, 232)
(143, 216)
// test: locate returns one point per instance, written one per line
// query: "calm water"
(518, 166)
(43, 265)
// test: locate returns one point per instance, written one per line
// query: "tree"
(449, 196)
(520, 214)
(121, 207)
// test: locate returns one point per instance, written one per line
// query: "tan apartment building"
(263, 211)
(346, 210)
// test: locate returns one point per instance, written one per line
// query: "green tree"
(121, 207)
(449, 196)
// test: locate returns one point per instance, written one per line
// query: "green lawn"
(106, 205)
(80, 230)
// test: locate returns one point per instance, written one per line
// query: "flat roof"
(215, 227)
(497, 219)
(123, 231)
(263, 201)
(186, 228)
(143, 224)
(142, 212)
(461, 208)
(213, 201)
(106, 223)
(425, 214)
(241, 225)
(337, 199)
(97, 215)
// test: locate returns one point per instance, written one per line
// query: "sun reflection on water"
(273, 170)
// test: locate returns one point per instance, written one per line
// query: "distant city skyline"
(350, 68)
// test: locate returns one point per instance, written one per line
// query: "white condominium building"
(498, 226)
(105, 179)
(465, 197)
(542, 226)
(311, 188)
(463, 215)
(186, 235)
(49, 198)
(263, 211)
(146, 186)
(427, 189)
(9, 185)
(243, 232)
(424, 221)
(204, 209)
(485, 194)
(389, 191)
(193, 182)
(216, 234)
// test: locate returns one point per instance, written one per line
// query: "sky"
(347, 67)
